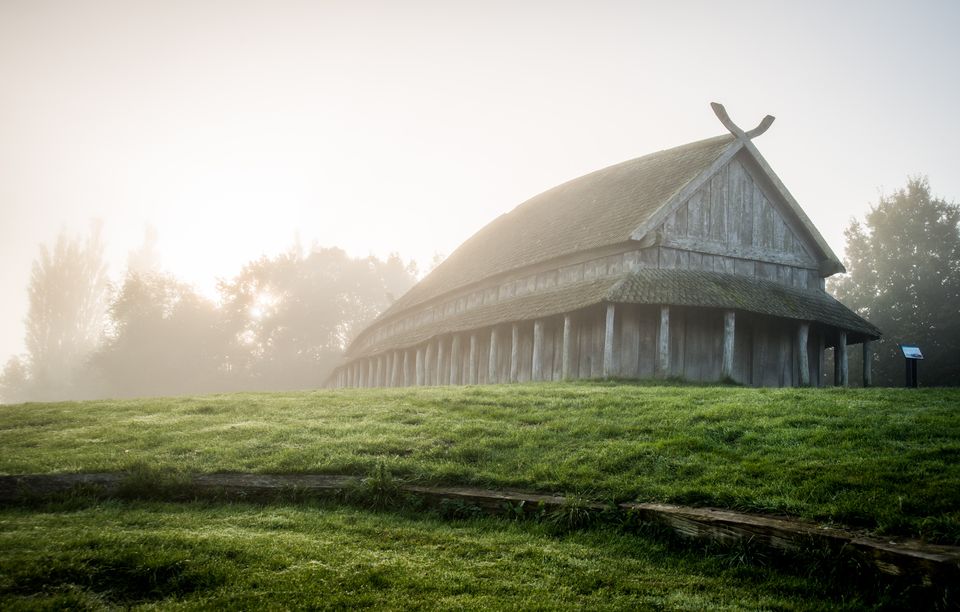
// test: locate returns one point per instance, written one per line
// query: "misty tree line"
(281, 323)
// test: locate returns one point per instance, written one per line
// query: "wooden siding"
(766, 352)
(732, 215)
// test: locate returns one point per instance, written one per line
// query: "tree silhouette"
(291, 316)
(903, 275)
(282, 323)
(68, 295)
(164, 339)
(15, 381)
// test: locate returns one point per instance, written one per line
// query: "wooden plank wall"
(765, 349)
(731, 225)
(734, 212)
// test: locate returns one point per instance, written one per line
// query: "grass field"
(190, 556)
(882, 459)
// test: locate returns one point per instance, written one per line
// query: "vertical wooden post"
(663, 345)
(536, 370)
(803, 336)
(455, 360)
(419, 366)
(371, 372)
(427, 362)
(868, 363)
(441, 371)
(567, 347)
(821, 359)
(406, 369)
(840, 361)
(515, 353)
(492, 358)
(729, 337)
(609, 365)
(381, 371)
(395, 374)
(472, 362)
(351, 372)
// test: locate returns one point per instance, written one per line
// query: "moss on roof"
(599, 209)
(734, 292)
(647, 286)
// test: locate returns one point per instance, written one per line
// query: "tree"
(164, 339)
(903, 275)
(15, 381)
(68, 296)
(291, 316)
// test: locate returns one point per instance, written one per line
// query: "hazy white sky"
(233, 126)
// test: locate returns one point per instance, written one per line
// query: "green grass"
(198, 556)
(882, 459)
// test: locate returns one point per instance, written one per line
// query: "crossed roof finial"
(728, 123)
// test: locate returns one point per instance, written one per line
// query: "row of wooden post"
(393, 369)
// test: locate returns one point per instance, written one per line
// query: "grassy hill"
(118, 555)
(882, 459)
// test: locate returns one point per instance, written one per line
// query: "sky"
(235, 128)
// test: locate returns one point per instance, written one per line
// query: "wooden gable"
(735, 213)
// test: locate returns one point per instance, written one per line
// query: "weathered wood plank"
(680, 226)
(420, 371)
(729, 342)
(429, 368)
(538, 340)
(663, 343)
(443, 368)
(629, 341)
(526, 353)
(473, 363)
(718, 203)
(515, 353)
(803, 338)
(455, 360)
(841, 358)
(868, 363)
(710, 247)
(492, 357)
(609, 355)
(926, 566)
(695, 215)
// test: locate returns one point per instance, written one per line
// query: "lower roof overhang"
(690, 288)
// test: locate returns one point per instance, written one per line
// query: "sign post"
(911, 355)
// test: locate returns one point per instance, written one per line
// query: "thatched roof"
(596, 210)
(649, 286)
(611, 207)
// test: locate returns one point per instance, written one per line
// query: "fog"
(233, 130)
